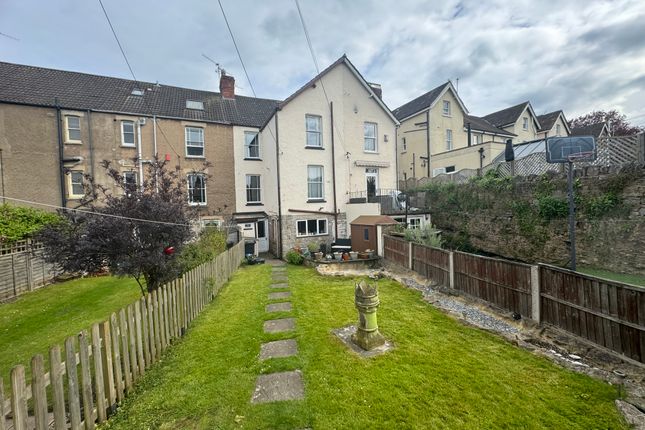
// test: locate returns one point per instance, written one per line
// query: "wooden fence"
(23, 269)
(96, 369)
(609, 314)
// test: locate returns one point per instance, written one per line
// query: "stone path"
(279, 386)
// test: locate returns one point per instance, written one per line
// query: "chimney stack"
(227, 86)
(377, 89)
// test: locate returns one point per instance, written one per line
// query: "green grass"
(47, 316)
(638, 280)
(441, 374)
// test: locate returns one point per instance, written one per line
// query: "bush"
(18, 223)
(210, 243)
(313, 247)
(550, 207)
(428, 236)
(294, 257)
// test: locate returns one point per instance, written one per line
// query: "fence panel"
(23, 269)
(432, 263)
(504, 283)
(610, 314)
(396, 250)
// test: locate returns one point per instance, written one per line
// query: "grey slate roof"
(420, 103)
(589, 130)
(506, 116)
(40, 86)
(480, 124)
(548, 119)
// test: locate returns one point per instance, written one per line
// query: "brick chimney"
(377, 89)
(227, 86)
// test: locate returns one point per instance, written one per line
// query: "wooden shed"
(366, 231)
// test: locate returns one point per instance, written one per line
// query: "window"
(311, 227)
(196, 189)
(438, 171)
(315, 183)
(194, 142)
(137, 92)
(251, 145)
(127, 133)
(450, 169)
(73, 128)
(525, 123)
(448, 140)
(475, 139)
(253, 194)
(557, 129)
(446, 108)
(369, 137)
(76, 188)
(405, 145)
(366, 234)
(414, 223)
(192, 104)
(130, 180)
(314, 131)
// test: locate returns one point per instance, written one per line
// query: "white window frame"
(194, 144)
(446, 108)
(319, 231)
(247, 145)
(414, 223)
(558, 129)
(321, 183)
(438, 171)
(123, 133)
(449, 145)
(405, 145)
(190, 194)
(525, 123)
(371, 138)
(194, 105)
(258, 188)
(68, 139)
(318, 132)
(70, 182)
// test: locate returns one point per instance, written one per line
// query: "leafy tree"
(134, 231)
(616, 121)
(17, 223)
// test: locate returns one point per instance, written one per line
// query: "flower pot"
(338, 256)
(363, 256)
(353, 255)
(345, 256)
(318, 256)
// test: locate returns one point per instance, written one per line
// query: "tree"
(137, 231)
(616, 122)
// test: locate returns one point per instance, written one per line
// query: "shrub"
(313, 247)
(18, 223)
(428, 236)
(294, 257)
(210, 243)
(550, 207)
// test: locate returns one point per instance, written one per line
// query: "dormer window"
(137, 92)
(192, 104)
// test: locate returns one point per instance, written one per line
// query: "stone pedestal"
(366, 299)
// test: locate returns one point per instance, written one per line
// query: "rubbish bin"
(249, 247)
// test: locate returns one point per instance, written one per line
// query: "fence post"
(535, 293)
(18, 399)
(451, 269)
(641, 149)
(410, 256)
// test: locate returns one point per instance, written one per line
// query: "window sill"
(370, 152)
(75, 197)
(314, 147)
(73, 142)
(252, 159)
(128, 146)
(197, 204)
(316, 201)
(255, 204)
(312, 235)
(196, 156)
(446, 115)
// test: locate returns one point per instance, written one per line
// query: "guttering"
(277, 159)
(333, 170)
(307, 211)
(61, 155)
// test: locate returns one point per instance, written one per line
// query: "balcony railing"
(386, 197)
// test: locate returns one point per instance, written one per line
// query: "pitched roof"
(523, 149)
(594, 130)
(548, 120)
(422, 102)
(480, 124)
(40, 86)
(507, 116)
(374, 220)
(342, 60)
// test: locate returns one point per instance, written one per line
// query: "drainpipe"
(61, 155)
(2, 175)
(470, 136)
(154, 145)
(91, 148)
(428, 138)
(333, 170)
(139, 156)
(277, 158)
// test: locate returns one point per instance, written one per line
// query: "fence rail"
(609, 314)
(97, 368)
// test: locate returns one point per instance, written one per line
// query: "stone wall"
(526, 218)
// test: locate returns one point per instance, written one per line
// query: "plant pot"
(345, 256)
(338, 256)
(318, 256)
(353, 255)
(363, 256)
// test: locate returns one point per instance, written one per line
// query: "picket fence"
(112, 356)
(607, 313)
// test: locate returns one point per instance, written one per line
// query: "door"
(262, 235)
(371, 179)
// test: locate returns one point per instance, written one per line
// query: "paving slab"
(279, 325)
(345, 335)
(278, 307)
(278, 349)
(279, 285)
(280, 386)
(280, 295)
(279, 269)
(279, 278)
(276, 263)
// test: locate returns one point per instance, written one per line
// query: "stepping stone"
(278, 307)
(276, 387)
(280, 295)
(279, 326)
(279, 269)
(278, 349)
(280, 285)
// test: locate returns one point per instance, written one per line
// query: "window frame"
(248, 146)
(68, 139)
(558, 129)
(190, 194)
(525, 123)
(250, 189)
(321, 183)
(405, 145)
(203, 142)
(134, 134)
(374, 138)
(414, 223)
(444, 111)
(317, 221)
(449, 145)
(318, 132)
(70, 182)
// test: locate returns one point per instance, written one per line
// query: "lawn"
(620, 277)
(47, 316)
(441, 374)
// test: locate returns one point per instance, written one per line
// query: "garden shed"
(367, 231)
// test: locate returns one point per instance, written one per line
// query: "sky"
(574, 55)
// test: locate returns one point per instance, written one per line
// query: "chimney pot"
(227, 86)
